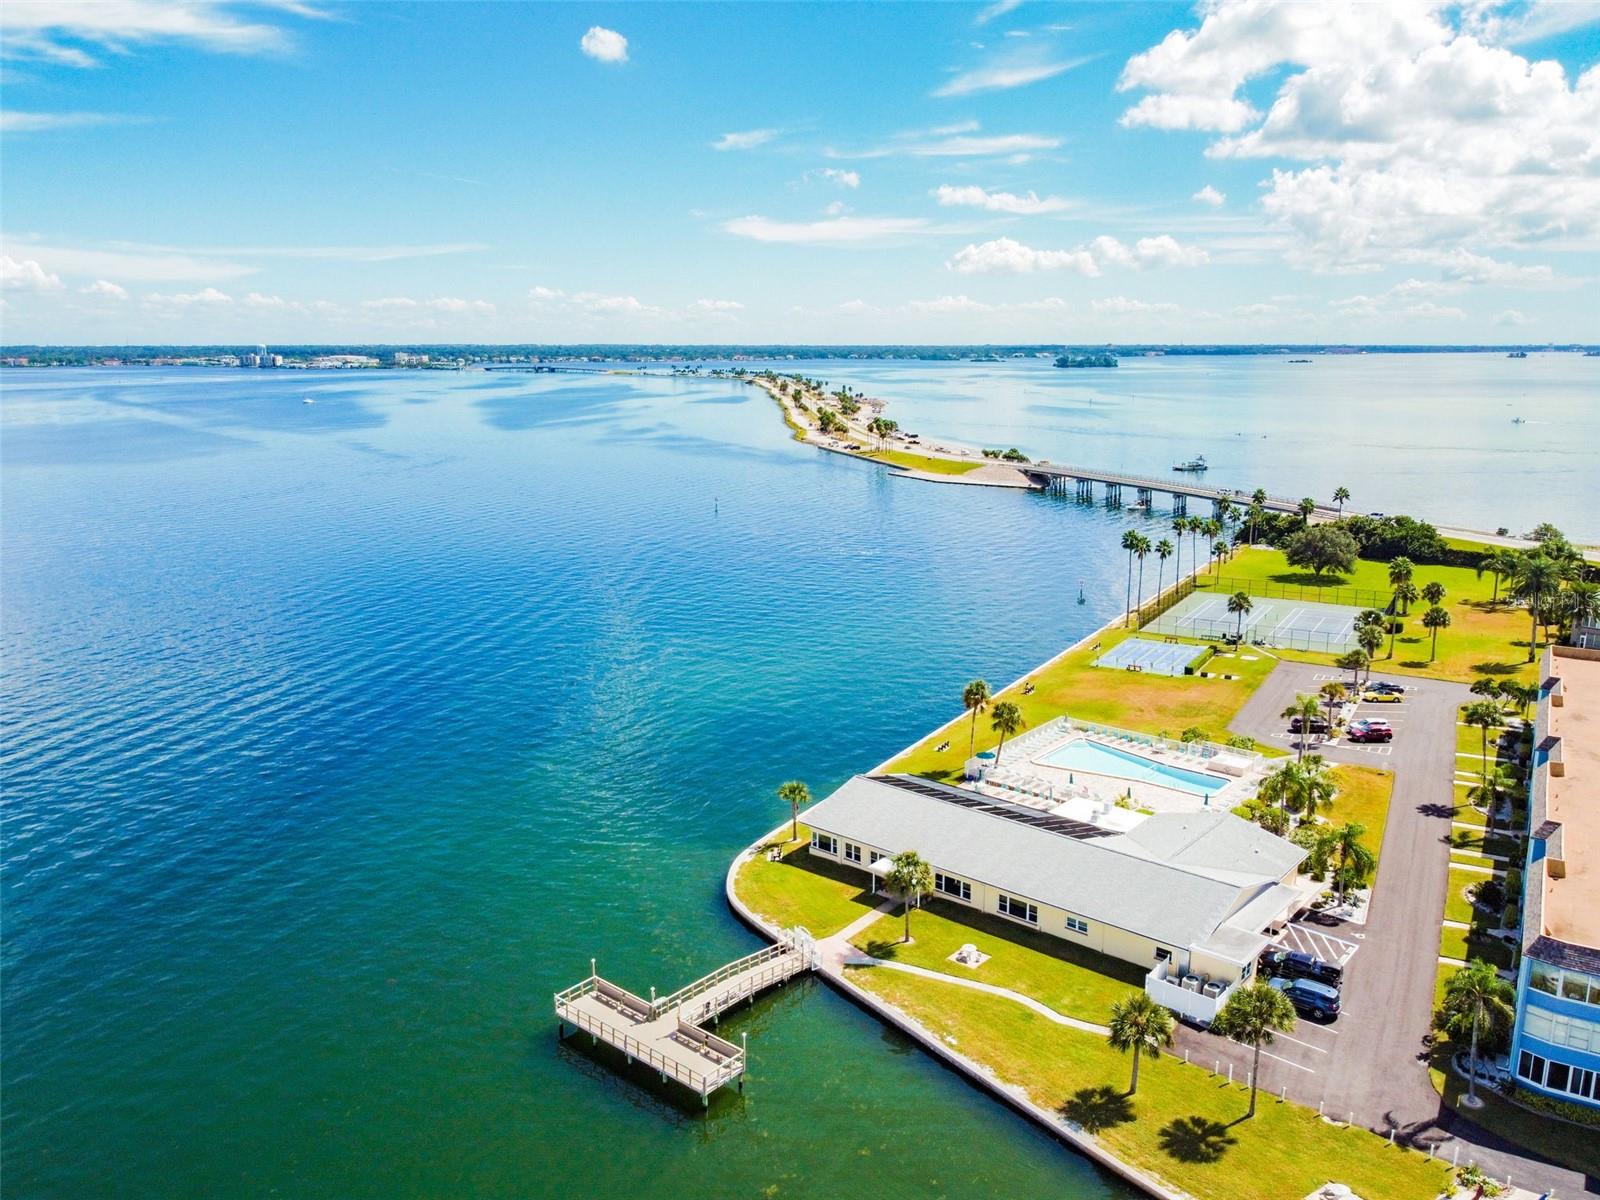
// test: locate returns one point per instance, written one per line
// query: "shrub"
(1578, 1114)
(1194, 734)
(1511, 916)
(1242, 741)
(1514, 882)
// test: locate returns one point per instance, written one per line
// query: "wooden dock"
(668, 1033)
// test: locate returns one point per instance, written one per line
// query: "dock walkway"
(668, 1033)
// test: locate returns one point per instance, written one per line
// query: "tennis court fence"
(1268, 590)
(1224, 628)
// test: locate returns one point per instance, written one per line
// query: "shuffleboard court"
(1300, 624)
(1142, 654)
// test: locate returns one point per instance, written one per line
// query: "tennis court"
(1300, 624)
(1142, 654)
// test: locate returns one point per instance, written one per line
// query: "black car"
(1392, 689)
(1318, 725)
(1310, 998)
(1291, 964)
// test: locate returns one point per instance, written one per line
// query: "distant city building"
(249, 360)
(1555, 1049)
(403, 358)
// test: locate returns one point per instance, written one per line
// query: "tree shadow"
(1496, 668)
(1098, 1108)
(1437, 810)
(888, 948)
(1196, 1139)
(1307, 579)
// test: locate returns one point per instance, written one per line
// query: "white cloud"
(954, 141)
(1210, 195)
(748, 140)
(604, 45)
(58, 33)
(715, 308)
(1002, 77)
(590, 304)
(104, 289)
(13, 121)
(405, 304)
(998, 9)
(1005, 202)
(26, 275)
(848, 179)
(1009, 257)
(1419, 136)
(836, 208)
(830, 232)
(208, 297)
(1514, 317)
(948, 304)
(856, 308)
(1125, 306)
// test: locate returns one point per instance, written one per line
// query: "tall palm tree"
(1405, 595)
(1307, 708)
(1163, 552)
(1255, 513)
(1197, 526)
(1435, 619)
(1482, 715)
(1476, 1002)
(1307, 506)
(974, 698)
(1401, 569)
(1396, 627)
(1333, 694)
(1433, 592)
(1140, 549)
(1213, 530)
(1180, 526)
(1340, 495)
(1139, 1024)
(1250, 1017)
(1240, 604)
(1501, 564)
(1582, 603)
(1006, 720)
(1354, 862)
(1370, 638)
(1279, 785)
(1352, 661)
(909, 878)
(794, 794)
(1130, 543)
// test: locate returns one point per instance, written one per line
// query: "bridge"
(668, 1033)
(1081, 480)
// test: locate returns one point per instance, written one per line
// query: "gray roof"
(1217, 843)
(1108, 879)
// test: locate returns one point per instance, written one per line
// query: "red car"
(1369, 731)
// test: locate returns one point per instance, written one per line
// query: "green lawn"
(1465, 812)
(1465, 945)
(1484, 638)
(1131, 700)
(1456, 905)
(1363, 797)
(1183, 1125)
(1494, 845)
(802, 890)
(921, 462)
(1067, 978)
(1565, 1143)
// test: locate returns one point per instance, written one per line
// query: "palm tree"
(1163, 552)
(1307, 709)
(1213, 530)
(1396, 628)
(1483, 715)
(1138, 1023)
(1317, 787)
(1435, 619)
(1197, 526)
(1501, 564)
(1476, 1001)
(1240, 604)
(1340, 495)
(1005, 720)
(1582, 603)
(1307, 506)
(1130, 543)
(1140, 549)
(1405, 595)
(909, 878)
(794, 794)
(1250, 1017)
(1355, 861)
(1369, 638)
(1255, 513)
(1433, 592)
(974, 698)
(1400, 570)
(1333, 695)
(1278, 786)
(1352, 661)
(1180, 526)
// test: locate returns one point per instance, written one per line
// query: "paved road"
(1371, 1065)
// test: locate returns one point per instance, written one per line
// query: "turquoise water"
(1083, 755)
(340, 736)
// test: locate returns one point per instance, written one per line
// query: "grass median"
(1183, 1125)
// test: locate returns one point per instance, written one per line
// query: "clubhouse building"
(1555, 1048)
(1193, 897)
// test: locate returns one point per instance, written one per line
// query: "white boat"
(307, 400)
(1194, 464)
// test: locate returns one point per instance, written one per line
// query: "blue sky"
(1240, 171)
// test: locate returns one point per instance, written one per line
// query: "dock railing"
(787, 957)
(618, 1038)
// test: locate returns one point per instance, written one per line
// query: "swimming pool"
(1081, 754)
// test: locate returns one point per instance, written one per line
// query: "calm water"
(338, 736)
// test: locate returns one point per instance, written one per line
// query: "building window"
(951, 886)
(1558, 1076)
(824, 842)
(1572, 1032)
(1077, 925)
(1569, 985)
(852, 852)
(1021, 910)
(1544, 978)
(1531, 1067)
(1555, 1076)
(1163, 954)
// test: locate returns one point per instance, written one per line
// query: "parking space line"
(1286, 1038)
(1286, 1062)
